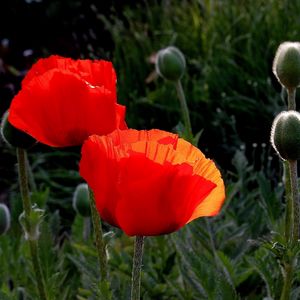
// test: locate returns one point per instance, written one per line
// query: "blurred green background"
(233, 97)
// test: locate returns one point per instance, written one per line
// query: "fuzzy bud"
(286, 65)
(81, 200)
(4, 219)
(13, 136)
(285, 135)
(31, 224)
(170, 63)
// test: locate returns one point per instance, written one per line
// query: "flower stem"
(291, 99)
(86, 228)
(100, 245)
(31, 180)
(287, 284)
(185, 111)
(137, 268)
(294, 194)
(23, 180)
(289, 216)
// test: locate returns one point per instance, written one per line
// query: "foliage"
(232, 96)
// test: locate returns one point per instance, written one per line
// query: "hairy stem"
(291, 99)
(86, 228)
(100, 245)
(184, 111)
(289, 216)
(23, 181)
(137, 267)
(294, 192)
(287, 283)
(30, 175)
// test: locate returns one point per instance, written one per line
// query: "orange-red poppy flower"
(63, 101)
(150, 182)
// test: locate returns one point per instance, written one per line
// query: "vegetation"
(232, 96)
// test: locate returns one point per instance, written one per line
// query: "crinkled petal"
(98, 166)
(202, 166)
(131, 136)
(157, 199)
(96, 73)
(137, 189)
(60, 109)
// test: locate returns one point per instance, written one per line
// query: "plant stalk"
(184, 111)
(294, 194)
(137, 267)
(100, 245)
(23, 181)
(86, 228)
(31, 180)
(291, 99)
(287, 284)
(289, 216)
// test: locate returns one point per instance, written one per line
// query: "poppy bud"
(21, 294)
(4, 219)
(170, 63)
(33, 221)
(13, 136)
(286, 65)
(81, 200)
(285, 135)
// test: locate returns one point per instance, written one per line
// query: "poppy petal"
(153, 189)
(97, 73)
(157, 199)
(212, 204)
(98, 167)
(132, 136)
(59, 109)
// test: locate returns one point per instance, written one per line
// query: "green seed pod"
(13, 136)
(285, 135)
(81, 200)
(286, 65)
(4, 219)
(170, 63)
(21, 294)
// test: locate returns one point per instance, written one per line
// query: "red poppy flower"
(150, 182)
(63, 101)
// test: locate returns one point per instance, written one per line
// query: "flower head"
(63, 101)
(285, 135)
(150, 182)
(286, 64)
(81, 200)
(170, 63)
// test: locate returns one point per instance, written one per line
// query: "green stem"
(295, 197)
(100, 245)
(30, 174)
(184, 110)
(34, 250)
(86, 228)
(289, 216)
(23, 180)
(287, 283)
(291, 99)
(137, 267)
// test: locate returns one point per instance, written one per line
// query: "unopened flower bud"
(31, 225)
(81, 200)
(4, 219)
(286, 65)
(170, 63)
(13, 136)
(21, 293)
(285, 135)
